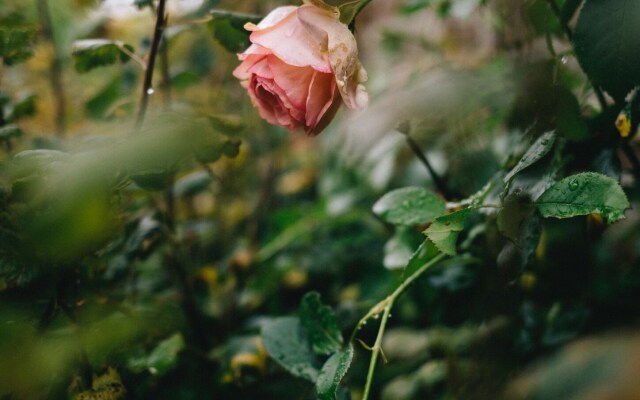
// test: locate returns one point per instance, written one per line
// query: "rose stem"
(55, 72)
(388, 305)
(161, 21)
(442, 187)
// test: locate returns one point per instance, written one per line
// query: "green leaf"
(165, 357)
(9, 132)
(24, 107)
(228, 29)
(606, 41)
(409, 206)
(153, 180)
(445, 230)
(192, 184)
(93, 53)
(143, 3)
(320, 323)
(510, 217)
(332, 373)
(399, 249)
(538, 149)
(425, 252)
(286, 343)
(584, 194)
(16, 42)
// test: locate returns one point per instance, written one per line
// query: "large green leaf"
(332, 373)
(583, 194)
(607, 44)
(286, 342)
(409, 206)
(445, 230)
(320, 323)
(538, 149)
(93, 53)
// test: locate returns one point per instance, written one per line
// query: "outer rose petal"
(294, 80)
(342, 51)
(290, 41)
(321, 94)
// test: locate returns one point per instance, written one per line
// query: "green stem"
(385, 307)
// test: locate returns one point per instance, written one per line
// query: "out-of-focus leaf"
(105, 387)
(320, 323)
(583, 194)
(228, 29)
(606, 40)
(420, 257)
(16, 41)
(409, 206)
(332, 372)
(399, 249)
(154, 180)
(24, 107)
(227, 123)
(192, 184)
(538, 149)
(143, 3)
(9, 132)
(510, 217)
(444, 231)
(568, 10)
(286, 342)
(162, 359)
(93, 53)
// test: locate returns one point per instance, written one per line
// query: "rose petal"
(321, 93)
(292, 43)
(295, 81)
(269, 106)
(342, 51)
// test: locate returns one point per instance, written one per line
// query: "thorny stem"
(161, 21)
(165, 85)
(437, 180)
(57, 85)
(385, 307)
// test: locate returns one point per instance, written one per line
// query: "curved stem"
(385, 307)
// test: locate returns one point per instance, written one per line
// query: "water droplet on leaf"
(150, 91)
(573, 185)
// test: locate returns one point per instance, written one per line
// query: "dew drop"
(573, 185)
(150, 91)
(564, 59)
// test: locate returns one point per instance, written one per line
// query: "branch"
(437, 180)
(161, 22)
(385, 307)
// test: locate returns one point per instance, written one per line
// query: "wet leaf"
(93, 53)
(538, 149)
(444, 231)
(583, 194)
(321, 325)
(332, 373)
(286, 342)
(409, 206)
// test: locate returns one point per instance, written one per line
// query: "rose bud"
(302, 64)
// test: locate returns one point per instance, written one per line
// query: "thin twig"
(57, 85)
(437, 181)
(161, 21)
(385, 307)
(165, 85)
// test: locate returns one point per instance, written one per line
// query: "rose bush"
(302, 64)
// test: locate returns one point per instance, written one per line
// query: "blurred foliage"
(186, 259)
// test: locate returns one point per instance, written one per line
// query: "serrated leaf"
(583, 194)
(286, 342)
(321, 325)
(228, 29)
(538, 149)
(606, 42)
(93, 53)
(332, 373)
(444, 231)
(409, 206)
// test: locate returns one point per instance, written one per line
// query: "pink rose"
(303, 62)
